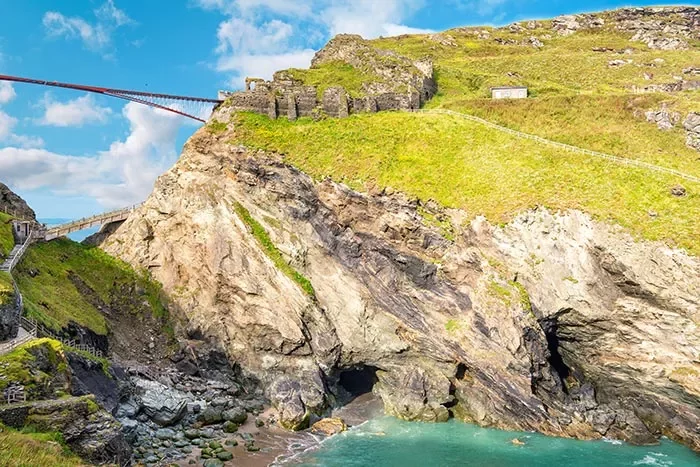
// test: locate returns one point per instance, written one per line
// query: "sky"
(72, 154)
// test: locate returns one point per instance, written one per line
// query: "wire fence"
(567, 147)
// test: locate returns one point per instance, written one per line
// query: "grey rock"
(383, 304)
(235, 415)
(211, 415)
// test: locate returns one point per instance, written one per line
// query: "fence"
(567, 147)
(14, 393)
(17, 256)
(14, 213)
(35, 329)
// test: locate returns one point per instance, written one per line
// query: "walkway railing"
(567, 147)
(14, 213)
(14, 393)
(16, 255)
(36, 329)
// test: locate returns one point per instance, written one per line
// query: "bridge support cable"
(187, 106)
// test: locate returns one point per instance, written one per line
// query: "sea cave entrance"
(357, 381)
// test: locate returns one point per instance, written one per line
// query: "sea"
(387, 441)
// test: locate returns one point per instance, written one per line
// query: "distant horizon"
(72, 154)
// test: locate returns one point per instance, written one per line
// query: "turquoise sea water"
(387, 441)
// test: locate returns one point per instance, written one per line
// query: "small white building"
(509, 92)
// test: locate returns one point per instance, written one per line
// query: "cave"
(550, 328)
(357, 381)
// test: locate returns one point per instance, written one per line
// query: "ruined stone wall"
(401, 84)
(295, 100)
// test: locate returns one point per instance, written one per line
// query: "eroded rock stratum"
(554, 322)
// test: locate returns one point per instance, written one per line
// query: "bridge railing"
(58, 230)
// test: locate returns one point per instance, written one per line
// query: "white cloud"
(110, 13)
(121, 175)
(369, 18)
(97, 35)
(251, 46)
(263, 66)
(7, 123)
(74, 113)
(7, 92)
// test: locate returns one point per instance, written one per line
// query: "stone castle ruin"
(398, 83)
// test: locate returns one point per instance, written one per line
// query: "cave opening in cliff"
(550, 328)
(358, 380)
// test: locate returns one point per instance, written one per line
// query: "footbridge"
(117, 215)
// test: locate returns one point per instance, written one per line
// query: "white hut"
(509, 92)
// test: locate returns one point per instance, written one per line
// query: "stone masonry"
(401, 84)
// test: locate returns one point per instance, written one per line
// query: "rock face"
(13, 204)
(9, 305)
(554, 323)
(665, 28)
(397, 83)
(692, 129)
(89, 431)
(663, 118)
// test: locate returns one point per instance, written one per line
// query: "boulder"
(236, 415)
(692, 130)
(286, 396)
(329, 426)
(663, 118)
(211, 415)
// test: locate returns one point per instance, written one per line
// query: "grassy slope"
(577, 99)
(6, 288)
(7, 240)
(462, 164)
(52, 298)
(334, 74)
(26, 449)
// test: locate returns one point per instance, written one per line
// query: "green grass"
(30, 449)
(335, 74)
(7, 291)
(17, 365)
(216, 126)
(53, 299)
(272, 251)
(524, 296)
(452, 326)
(465, 165)
(7, 240)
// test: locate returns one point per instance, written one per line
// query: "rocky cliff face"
(554, 322)
(13, 204)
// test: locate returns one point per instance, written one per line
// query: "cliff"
(552, 322)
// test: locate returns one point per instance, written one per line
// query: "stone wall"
(285, 96)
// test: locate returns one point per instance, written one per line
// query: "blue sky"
(72, 154)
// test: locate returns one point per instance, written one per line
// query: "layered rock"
(692, 130)
(665, 28)
(555, 322)
(11, 203)
(89, 431)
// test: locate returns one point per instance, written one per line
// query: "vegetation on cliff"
(41, 368)
(272, 251)
(462, 164)
(581, 93)
(63, 281)
(28, 448)
(7, 240)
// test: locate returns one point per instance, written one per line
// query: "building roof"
(496, 88)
